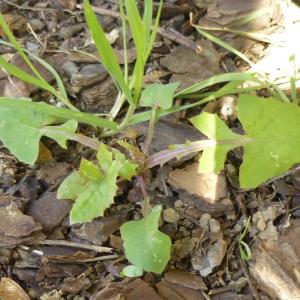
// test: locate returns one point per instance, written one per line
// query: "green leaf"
(21, 130)
(137, 27)
(245, 251)
(212, 159)
(92, 191)
(105, 157)
(108, 57)
(56, 112)
(94, 187)
(271, 140)
(273, 128)
(158, 95)
(145, 246)
(132, 271)
(129, 168)
(152, 37)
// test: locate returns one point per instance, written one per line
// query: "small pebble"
(170, 215)
(261, 225)
(214, 225)
(178, 203)
(204, 221)
(37, 25)
(270, 213)
(70, 68)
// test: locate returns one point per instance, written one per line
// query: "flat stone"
(48, 210)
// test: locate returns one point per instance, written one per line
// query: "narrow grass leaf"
(106, 52)
(227, 77)
(137, 26)
(147, 18)
(63, 97)
(222, 44)
(151, 40)
(19, 73)
(17, 46)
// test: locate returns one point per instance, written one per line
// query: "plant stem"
(124, 123)
(150, 131)
(181, 150)
(82, 139)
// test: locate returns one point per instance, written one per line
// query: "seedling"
(245, 250)
(269, 144)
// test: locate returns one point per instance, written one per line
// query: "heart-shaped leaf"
(145, 246)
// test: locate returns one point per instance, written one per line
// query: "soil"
(42, 256)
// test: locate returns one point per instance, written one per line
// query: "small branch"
(95, 248)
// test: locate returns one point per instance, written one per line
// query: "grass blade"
(222, 44)
(147, 18)
(19, 73)
(106, 52)
(17, 46)
(137, 27)
(154, 30)
(47, 66)
(227, 77)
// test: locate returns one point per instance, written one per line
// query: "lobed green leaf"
(94, 186)
(270, 142)
(21, 131)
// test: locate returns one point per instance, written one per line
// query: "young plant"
(245, 250)
(269, 144)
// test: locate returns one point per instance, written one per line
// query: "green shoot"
(36, 80)
(245, 251)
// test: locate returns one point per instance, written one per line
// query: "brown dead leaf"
(94, 57)
(186, 279)
(209, 186)
(53, 172)
(275, 265)
(10, 290)
(17, 228)
(74, 285)
(15, 224)
(14, 88)
(16, 23)
(172, 291)
(68, 4)
(98, 231)
(128, 289)
(205, 263)
(168, 133)
(44, 154)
